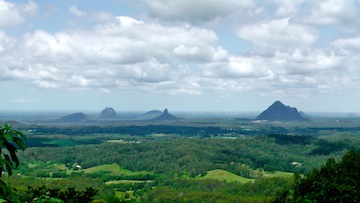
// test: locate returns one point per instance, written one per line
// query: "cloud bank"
(175, 47)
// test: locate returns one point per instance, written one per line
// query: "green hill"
(112, 169)
(226, 176)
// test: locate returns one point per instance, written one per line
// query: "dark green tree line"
(333, 182)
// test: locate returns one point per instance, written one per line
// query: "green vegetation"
(9, 140)
(280, 174)
(226, 176)
(187, 161)
(333, 182)
(111, 169)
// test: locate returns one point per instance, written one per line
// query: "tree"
(10, 141)
(43, 194)
(333, 182)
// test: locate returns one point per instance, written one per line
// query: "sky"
(184, 55)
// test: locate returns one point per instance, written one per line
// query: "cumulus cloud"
(334, 12)
(124, 53)
(347, 43)
(278, 33)
(287, 49)
(127, 22)
(236, 67)
(296, 72)
(127, 41)
(6, 42)
(12, 14)
(194, 11)
(287, 8)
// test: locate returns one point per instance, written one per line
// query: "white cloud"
(304, 71)
(126, 53)
(6, 43)
(278, 33)
(75, 11)
(287, 8)
(334, 12)
(309, 62)
(287, 53)
(12, 14)
(45, 84)
(347, 43)
(31, 72)
(200, 54)
(127, 22)
(127, 42)
(236, 67)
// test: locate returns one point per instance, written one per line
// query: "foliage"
(79, 182)
(186, 156)
(284, 139)
(207, 190)
(225, 176)
(135, 130)
(10, 140)
(70, 195)
(167, 162)
(326, 147)
(333, 182)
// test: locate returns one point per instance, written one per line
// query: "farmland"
(147, 162)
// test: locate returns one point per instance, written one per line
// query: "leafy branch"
(10, 141)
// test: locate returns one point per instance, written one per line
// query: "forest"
(185, 161)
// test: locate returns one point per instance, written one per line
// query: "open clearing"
(280, 174)
(112, 169)
(223, 175)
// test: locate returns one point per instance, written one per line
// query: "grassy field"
(281, 174)
(126, 181)
(111, 169)
(223, 175)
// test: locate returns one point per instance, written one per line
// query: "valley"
(157, 161)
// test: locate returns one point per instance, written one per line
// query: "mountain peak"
(277, 103)
(166, 111)
(108, 112)
(279, 111)
(165, 116)
(75, 117)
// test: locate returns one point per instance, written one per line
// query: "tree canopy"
(333, 182)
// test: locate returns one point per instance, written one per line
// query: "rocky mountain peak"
(108, 112)
(165, 116)
(279, 111)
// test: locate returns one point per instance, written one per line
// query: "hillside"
(278, 111)
(76, 117)
(108, 112)
(226, 176)
(150, 115)
(165, 116)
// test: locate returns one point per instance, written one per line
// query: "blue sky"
(139, 55)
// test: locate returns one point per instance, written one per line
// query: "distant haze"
(204, 55)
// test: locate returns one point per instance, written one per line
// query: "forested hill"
(200, 131)
(140, 130)
(193, 156)
(183, 130)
